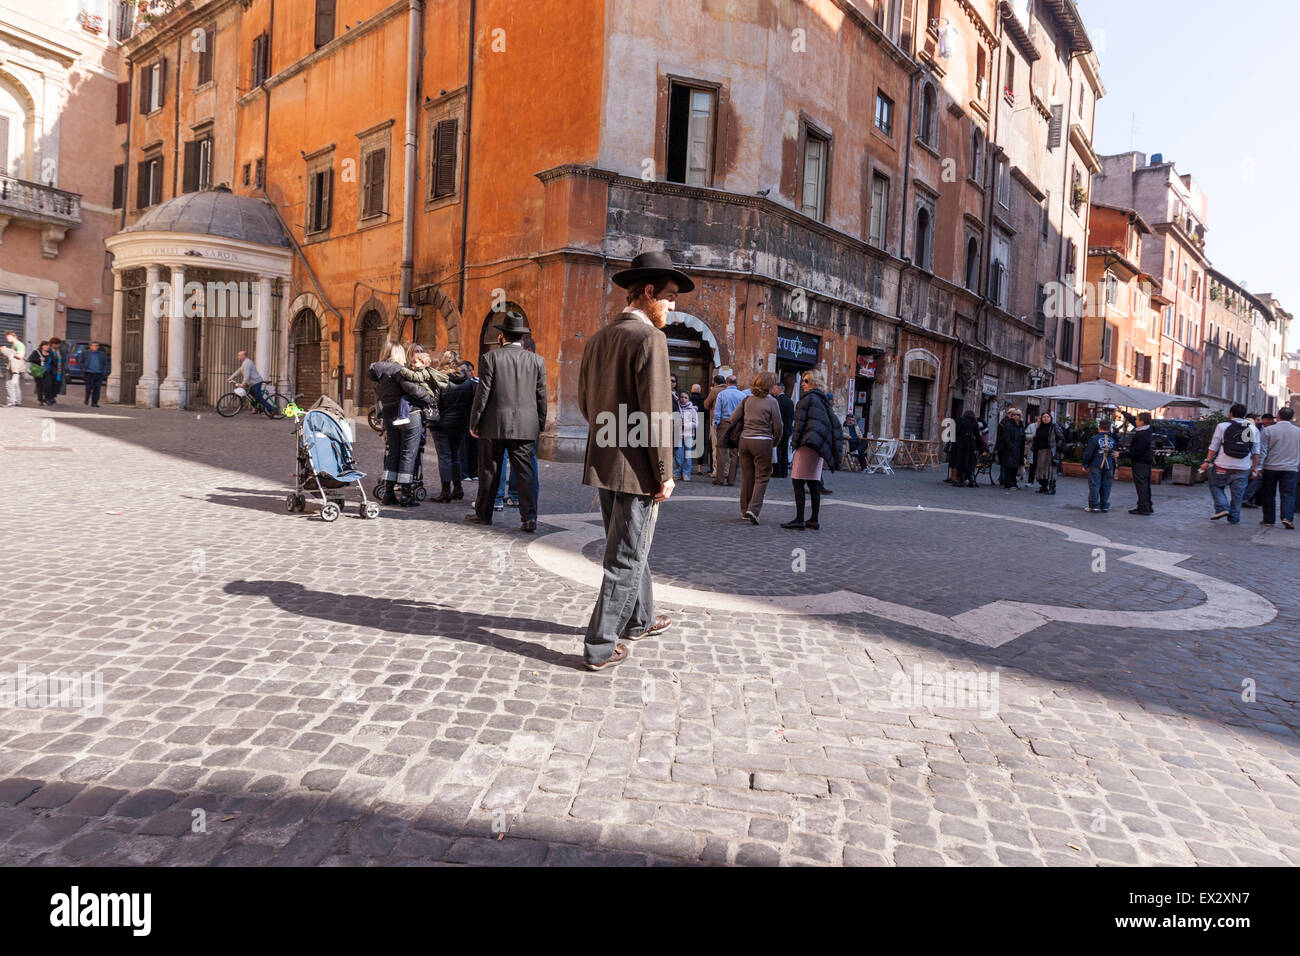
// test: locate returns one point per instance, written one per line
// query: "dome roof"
(215, 212)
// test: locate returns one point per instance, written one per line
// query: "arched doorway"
(305, 358)
(374, 333)
(488, 335)
(693, 354)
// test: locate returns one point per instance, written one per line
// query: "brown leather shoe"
(657, 626)
(621, 653)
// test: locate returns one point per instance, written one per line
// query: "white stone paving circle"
(990, 625)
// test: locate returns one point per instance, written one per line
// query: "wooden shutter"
(141, 184)
(190, 176)
(266, 56)
(206, 57)
(324, 22)
(146, 80)
(258, 43)
(905, 31)
(327, 201)
(1054, 127)
(444, 152)
(162, 83)
(119, 185)
(375, 182)
(123, 103)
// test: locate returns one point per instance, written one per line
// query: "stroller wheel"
(330, 512)
(378, 490)
(369, 509)
(291, 504)
(420, 493)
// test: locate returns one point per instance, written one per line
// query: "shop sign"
(798, 348)
(866, 366)
(990, 385)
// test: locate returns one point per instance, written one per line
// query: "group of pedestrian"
(1242, 452)
(47, 366)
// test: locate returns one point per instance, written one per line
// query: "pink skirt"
(807, 465)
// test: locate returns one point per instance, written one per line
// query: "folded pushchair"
(326, 463)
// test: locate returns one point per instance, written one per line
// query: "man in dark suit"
(783, 402)
(623, 393)
(509, 413)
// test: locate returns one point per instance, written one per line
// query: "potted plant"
(1184, 468)
(1079, 196)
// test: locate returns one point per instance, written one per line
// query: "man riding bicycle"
(251, 379)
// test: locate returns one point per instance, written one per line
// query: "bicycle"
(232, 403)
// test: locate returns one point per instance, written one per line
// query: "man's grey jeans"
(626, 600)
(14, 388)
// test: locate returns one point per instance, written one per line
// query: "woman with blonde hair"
(816, 440)
(761, 428)
(401, 442)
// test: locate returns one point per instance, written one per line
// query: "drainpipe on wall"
(902, 234)
(126, 147)
(464, 189)
(404, 307)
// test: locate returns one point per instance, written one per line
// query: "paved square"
(923, 681)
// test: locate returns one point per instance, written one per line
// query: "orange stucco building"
(406, 170)
(1121, 329)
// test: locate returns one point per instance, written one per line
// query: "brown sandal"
(657, 626)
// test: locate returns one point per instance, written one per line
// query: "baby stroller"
(326, 462)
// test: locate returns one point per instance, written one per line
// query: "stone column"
(115, 341)
(282, 345)
(175, 390)
(146, 390)
(262, 349)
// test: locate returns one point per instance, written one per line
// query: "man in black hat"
(625, 396)
(509, 413)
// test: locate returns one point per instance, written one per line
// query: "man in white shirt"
(1232, 460)
(1280, 444)
(251, 379)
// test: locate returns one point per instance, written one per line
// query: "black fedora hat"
(649, 266)
(514, 323)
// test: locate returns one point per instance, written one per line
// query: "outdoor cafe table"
(916, 453)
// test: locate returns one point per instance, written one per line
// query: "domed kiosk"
(215, 265)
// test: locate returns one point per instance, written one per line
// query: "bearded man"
(624, 380)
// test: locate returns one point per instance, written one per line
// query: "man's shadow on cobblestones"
(414, 618)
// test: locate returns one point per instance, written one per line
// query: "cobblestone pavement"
(278, 690)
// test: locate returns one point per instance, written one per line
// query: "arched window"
(972, 262)
(929, 114)
(923, 239)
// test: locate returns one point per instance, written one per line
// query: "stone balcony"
(52, 211)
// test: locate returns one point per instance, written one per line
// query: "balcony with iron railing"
(53, 211)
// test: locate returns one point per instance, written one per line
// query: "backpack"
(36, 370)
(1236, 441)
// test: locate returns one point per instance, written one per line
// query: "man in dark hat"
(509, 413)
(625, 396)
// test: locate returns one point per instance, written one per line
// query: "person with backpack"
(1232, 460)
(1100, 458)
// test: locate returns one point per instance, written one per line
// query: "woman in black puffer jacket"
(816, 440)
(452, 427)
(401, 442)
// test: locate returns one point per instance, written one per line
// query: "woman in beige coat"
(761, 431)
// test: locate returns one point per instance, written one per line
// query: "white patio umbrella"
(1101, 392)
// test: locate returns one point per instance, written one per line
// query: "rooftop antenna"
(1133, 131)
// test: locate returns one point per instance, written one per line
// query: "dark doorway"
(690, 358)
(374, 332)
(132, 333)
(305, 356)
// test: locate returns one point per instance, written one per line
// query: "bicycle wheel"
(278, 402)
(229, 405)
(375, 419)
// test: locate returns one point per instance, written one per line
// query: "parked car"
(76, 362)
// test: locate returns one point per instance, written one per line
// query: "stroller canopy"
(328, 440)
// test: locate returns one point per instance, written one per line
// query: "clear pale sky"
(1210, 85)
